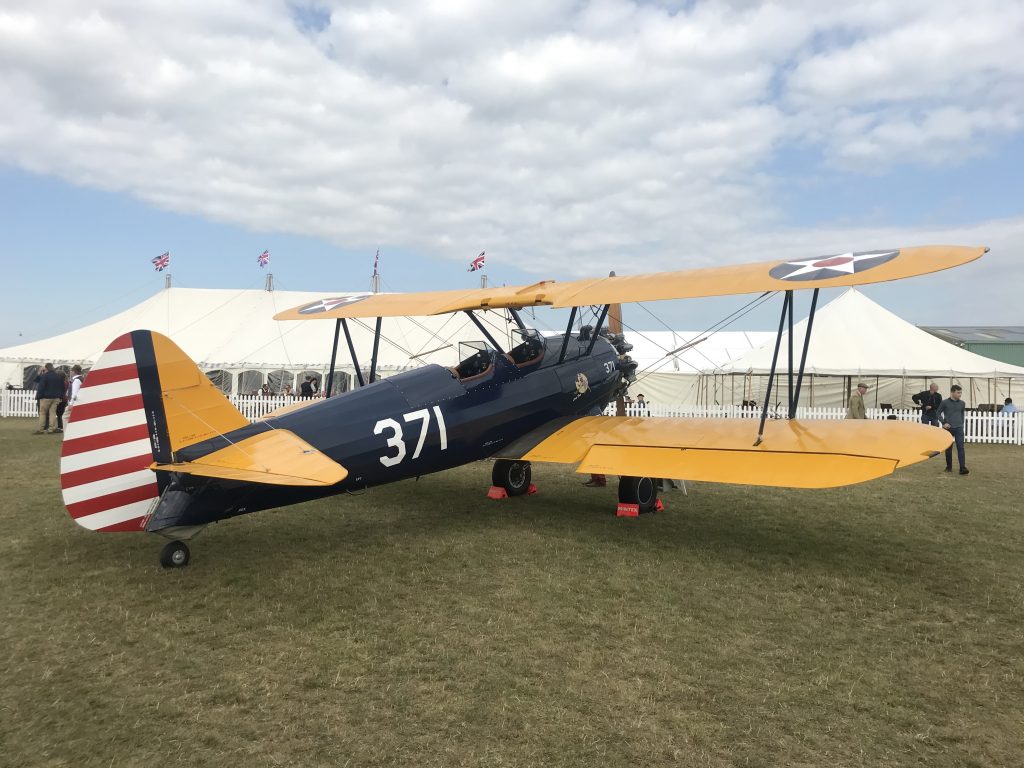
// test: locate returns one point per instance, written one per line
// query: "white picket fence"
(256, 406)
(978, 427)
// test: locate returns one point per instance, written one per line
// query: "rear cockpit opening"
(530, 351)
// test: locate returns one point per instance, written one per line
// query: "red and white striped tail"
(105, 459)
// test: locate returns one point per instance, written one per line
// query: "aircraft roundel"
(825, 267)
(326, 305)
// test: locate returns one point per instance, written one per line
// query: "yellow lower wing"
(278, 457)
(793, 454)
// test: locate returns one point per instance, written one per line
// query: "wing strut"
(803, 355)
(352, 351)
(565, 339)
(334, 358)
(791, 411)
(786, 318)
(487, 335)
(517, 318)
(771, 373)
(597, 328)
(376, 346)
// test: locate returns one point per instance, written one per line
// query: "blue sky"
(566, 139)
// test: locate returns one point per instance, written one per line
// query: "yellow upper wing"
(822, 272)
(793, 454)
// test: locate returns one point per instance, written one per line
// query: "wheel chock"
(531, 490)
(658, 506)
(628, 510)
(497, 492)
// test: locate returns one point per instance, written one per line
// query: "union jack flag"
(264, 258)
(162, 262)
(376, 260)
(477, 263)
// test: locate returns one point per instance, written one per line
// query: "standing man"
(63, 404)
(857, 409)
(51, 392)
(951, 413)
(76, 385)
(929, 400)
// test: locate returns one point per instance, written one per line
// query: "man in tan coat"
(856, 409)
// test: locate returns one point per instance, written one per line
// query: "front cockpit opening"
(477, 361)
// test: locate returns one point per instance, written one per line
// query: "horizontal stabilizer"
(277, 457)
(793, 454)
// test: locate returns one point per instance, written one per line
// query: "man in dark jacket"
(51, 392)
(951, 412)
(929, 400)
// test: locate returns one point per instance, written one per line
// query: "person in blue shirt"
(1008, 406)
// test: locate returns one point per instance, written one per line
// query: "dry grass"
(420, 624)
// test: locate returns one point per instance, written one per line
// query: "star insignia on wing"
(825, 267)
(326, 305)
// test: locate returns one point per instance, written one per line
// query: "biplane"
(154, 446)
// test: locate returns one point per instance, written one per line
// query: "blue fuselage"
(418, 422)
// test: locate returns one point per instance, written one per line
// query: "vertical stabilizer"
(142, 401)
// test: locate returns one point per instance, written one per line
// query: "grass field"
(420, 624)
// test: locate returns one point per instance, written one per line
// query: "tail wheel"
(175, 555)
(642, 491)
(513, 476)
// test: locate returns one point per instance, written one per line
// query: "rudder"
(143, 400)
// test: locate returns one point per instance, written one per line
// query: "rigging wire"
(714, 328)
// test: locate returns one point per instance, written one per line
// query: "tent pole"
(334, 357)
(352, 351)
(771, 373)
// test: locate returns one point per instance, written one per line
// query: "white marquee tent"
(232, 335)
(854, 339)
(233, 332)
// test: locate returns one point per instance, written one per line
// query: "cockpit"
(477, 361)
(478, 358)
(529, 352)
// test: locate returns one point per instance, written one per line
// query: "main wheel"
(513, 476)
(642, 491)
(175, 555)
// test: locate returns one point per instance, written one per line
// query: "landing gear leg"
(175, 554)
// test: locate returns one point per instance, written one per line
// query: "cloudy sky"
(564, 138)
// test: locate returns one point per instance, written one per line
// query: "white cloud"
(548, 131)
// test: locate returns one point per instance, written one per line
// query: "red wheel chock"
(628, 510)
(633, 510)
(497, 492)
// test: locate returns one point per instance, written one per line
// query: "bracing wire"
(720, 325)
